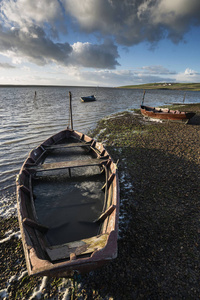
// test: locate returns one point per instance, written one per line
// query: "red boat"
(165, 113)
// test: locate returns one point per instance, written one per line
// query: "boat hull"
(47, 258)
(88, 99)
(165, 114)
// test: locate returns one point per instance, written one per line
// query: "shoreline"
(159, 242)
(195, 87)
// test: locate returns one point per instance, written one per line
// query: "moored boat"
(88, 98)
(68, 205)
(165, 113)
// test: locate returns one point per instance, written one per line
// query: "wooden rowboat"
(68, 205)
(88, 98)
(165, 113)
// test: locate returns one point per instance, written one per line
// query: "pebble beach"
(159, 225)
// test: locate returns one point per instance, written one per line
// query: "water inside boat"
(69, 202)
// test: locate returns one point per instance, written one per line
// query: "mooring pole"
(184, 97)
(143, 97)
(70, 108)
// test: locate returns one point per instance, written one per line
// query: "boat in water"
(88, 98)
(165, 113)
(68, 205)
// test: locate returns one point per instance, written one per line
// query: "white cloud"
(58, 74)
(188, 75)
(24, 13)
(157, 70)
(190, 72)
(6, 66)
(94, 56)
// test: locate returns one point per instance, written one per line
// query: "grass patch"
(166, 86)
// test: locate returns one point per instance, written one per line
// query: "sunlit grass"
(168, 86)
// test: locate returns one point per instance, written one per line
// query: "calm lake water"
(27, 120)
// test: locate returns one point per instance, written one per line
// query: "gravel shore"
(159, 228)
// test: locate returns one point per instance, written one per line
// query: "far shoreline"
(148, 86)
(166, 86)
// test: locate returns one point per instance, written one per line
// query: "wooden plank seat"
(81, 247)
(67, 164)
(61, 146)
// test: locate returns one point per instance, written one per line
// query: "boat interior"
(66, 196)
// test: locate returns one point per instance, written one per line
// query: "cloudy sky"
(99, 42)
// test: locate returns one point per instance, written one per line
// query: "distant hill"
(166, 86)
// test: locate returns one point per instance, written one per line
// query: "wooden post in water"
(184, 97)
(70, 108)
(143, 97)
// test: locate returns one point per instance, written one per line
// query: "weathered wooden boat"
(88, 98)
(165, 113)
(68, 205)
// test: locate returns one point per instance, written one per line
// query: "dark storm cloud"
(133, 21)
(34, 45)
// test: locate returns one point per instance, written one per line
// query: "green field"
(166, 86)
